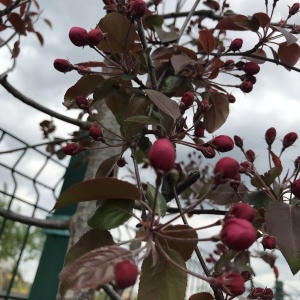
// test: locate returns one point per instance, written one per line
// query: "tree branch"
(50, 224)
(32, 103)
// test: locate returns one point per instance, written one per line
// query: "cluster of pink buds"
(136, 8)
(80, 37)
(260, 293)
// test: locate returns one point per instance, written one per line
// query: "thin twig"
(111, 292)
(50, 224)
(32, 103)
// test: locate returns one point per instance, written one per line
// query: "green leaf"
(111, 213)
(154, 20)
(283, 222)
(120, 35)
(98, 189)
(217, 114)
(164, 103)
(107, 166)
(92, 239)
(176, 238)
(259, 199)
(161, 204)
(162, 279)
(176, 85)
(268, 177)
(224, 260)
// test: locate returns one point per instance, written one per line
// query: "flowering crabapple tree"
(165, 93)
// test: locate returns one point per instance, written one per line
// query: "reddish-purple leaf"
(92, 64)
(283, 222)
(91, 240)
(181, 62)
(249, 24)
(6, 2)
(263, 19)
(276, 161)
(98, 189)
(258, 52)
(83, 87)
(217, 114)
(207, 40)
(40, 38)
(23, 8)
(229, 23)
(48, 22)
(107, 166)
(164, 103)
(17, 22)
(289, 55)
(93, 269)
(16, 49)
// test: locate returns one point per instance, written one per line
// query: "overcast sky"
(274, 101)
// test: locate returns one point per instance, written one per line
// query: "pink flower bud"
(250, 155)
(236, 45)
(270, 136)
(229, 64)
(246, 167)
(222, 143)
(82, 102)
(204, 106)
(267, 294)
(246, 86)
(96, 133)
(231, 98)
(246, 275)
(242, 211)
(251, 68)
(78, 36)
(289, 139)
(188, 98)
(238, 234)
(63, 65)
(269, 242)
(238, 141)
(226, 168)
(95, 36)
(250, 78)
(295, 188)
(126, 273)
(137, 8)
(231, 283)
(293, 9)
(72, 149)
(207, 151)
(162, 155)
(199, 130)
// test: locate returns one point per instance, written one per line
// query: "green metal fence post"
(279, 290)
(45, 284)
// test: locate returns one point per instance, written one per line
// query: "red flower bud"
(236, 181)
(78, 36)
(250, 155)
(96, 133)
(251, 68)
(137, 8)
(231, 98)
(250, 78)
(162, 155)
(297, 162)
(289, 139)
(95, 36)
(72, 149)
(226, 168)
(236, 45)
(269, 242)
(295, 188)
(238, 234)
(238, 141)
(246, 275)
(207, 151)
(231, 283)
(270, 136)
(204, 106)
(246, 167)
(187, 99)
(229, 64)
(126, 273)
(63, 65)
(222, 143)
(82, 102)
(255, 293)
(242, 211)
(267, 294)
(246, 86)
(293, 9)
(199, 130)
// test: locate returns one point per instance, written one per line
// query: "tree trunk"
(84, 210)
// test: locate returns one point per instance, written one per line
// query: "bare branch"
(32, 103)
(50, 224)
